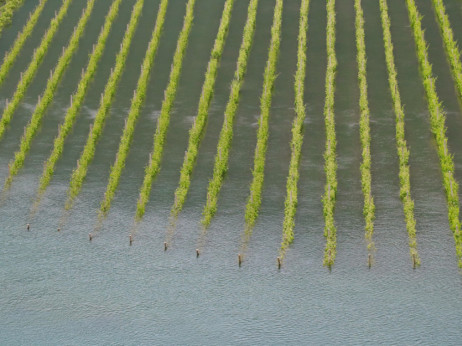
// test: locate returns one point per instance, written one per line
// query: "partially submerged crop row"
(254, 200)
(450, 45)
(330, 167)
(137, 102)
(365, 130)
(79, 173)
(297, 134)
(28, 75)
(198, 128)
(6, 12)
(437, 119)
(226, 134)
(47, 97)
(77, 99)
(164, 118)
(401, 145)
(11, 55)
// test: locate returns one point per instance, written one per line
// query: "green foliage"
(164, 119)
(29, 74)
(297, 134)
(47, 97)
(79, 173)
(200, 121)
(364, 129)
(437, 120)
(401, 145)
(330, 167)
(6, 12)
(11, 55)
(226, 134)
(254, 201)
(137, 102)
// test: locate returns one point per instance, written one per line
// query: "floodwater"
(58, 288)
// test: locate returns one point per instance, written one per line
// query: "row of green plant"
(330, 168)
(6, 12)
(226, 134)
(254, 200)
(77, 99)
(80, 172)
(152, 169)
(401, 144)
(28, 75)
(11, 55)
(198, 128)
(450, 45)
(137, 102)
(437, 120)
(364, 130)
(297, 134)
(47, 97)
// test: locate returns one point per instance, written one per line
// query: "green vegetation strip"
(330, 167)
(452, 51)
(47, 97)
(135, 107)
(226, 134)
(297, 134)
(6, 12)
(77, 99)
(437, 120)
(11, 55)
(164, 118)
(200, 121)
(79, 173)
(254, 201)
(29, 74)
(401, 145)
(364, 129)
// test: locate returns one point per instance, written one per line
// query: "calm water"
(57, 288)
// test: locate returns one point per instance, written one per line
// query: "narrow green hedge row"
(226, 134)
(297, 134)
(29, 74)
(135, 107)
(11, 55)
(364, 129)
(164, 118)
(437, 119)
(6, 12)
(200, 121)
(450, 45)
(77, 99)
(330, 195)
(80, 172)
(254, 201)
(401, 145)
(47, 97)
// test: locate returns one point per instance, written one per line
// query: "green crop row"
(437, 120)
(47, 97)
(364, 129)
(330, 167)
(77, 99)
(79, 173)
(11, 55)
(164, 118)
(226, 134)
(401, 145)
(200, 121)
(254, 201)
(297, 134)
(135, 107)
(6, 12)
(29, 74)
(452, 51)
